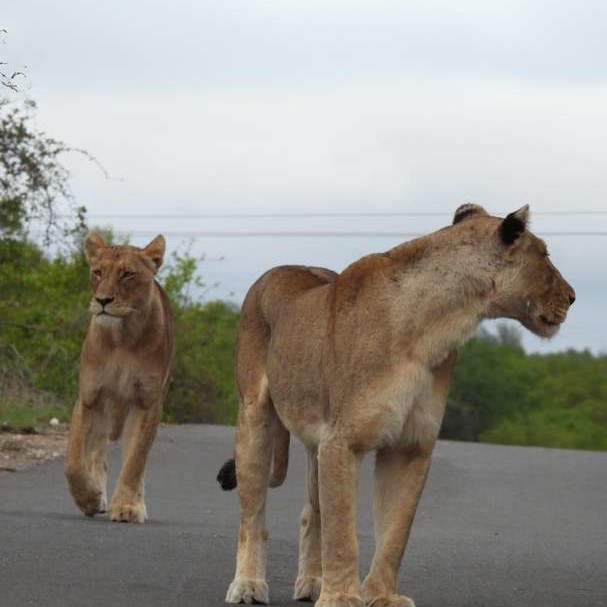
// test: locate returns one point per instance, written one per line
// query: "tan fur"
(125, 371)
(361, 361)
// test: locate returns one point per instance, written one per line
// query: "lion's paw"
(128, 513)
(339, 600)
(90, 504)
(390, 600)
(91, 501)
(307, 588)
(249, 591)
(87, 494)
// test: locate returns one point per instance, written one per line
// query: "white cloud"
(392, 145)
(139, 44)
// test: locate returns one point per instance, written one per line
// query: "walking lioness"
(125, 369)
(361, 361)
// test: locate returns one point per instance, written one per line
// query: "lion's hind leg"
(254, 438)
(86, 468)
(309, 576)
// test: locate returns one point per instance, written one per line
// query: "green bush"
(43, 314)
(203, 381)
(500, 394)
(490, 382)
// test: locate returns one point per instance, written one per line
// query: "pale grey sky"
(302, 105)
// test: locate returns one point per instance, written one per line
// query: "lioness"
(361, 361)
(125, 369)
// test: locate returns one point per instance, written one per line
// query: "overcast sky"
(323, 106)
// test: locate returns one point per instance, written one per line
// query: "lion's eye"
(127, 274)
(97, 273)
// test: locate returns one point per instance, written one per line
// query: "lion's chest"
(121, 379)
(396, 409)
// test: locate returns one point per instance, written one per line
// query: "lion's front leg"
(338, 470)
(85, 468)
(128, 505)
(399, 479)
(400, 475)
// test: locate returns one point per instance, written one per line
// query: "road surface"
(496, 527)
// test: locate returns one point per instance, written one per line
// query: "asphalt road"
(496, 527)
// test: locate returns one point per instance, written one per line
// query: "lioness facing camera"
(125, 370)
(361, 361)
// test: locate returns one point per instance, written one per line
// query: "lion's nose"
(571, 298)
(103, 301)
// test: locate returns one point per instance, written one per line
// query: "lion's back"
(281, 288)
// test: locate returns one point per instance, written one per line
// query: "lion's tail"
(226, 476)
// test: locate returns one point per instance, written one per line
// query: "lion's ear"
(155, 250)
(93, 245)
(468, 210)
(514, 225)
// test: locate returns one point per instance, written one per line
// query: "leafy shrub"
(500, 394)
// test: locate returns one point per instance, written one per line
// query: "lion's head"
(122, 277)
(526, 285)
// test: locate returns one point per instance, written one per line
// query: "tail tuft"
(226, 476)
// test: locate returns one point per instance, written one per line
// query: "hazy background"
(300, 107)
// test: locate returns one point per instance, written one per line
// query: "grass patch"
(29, 408)
(21, 416)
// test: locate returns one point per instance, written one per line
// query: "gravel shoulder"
(19, 451)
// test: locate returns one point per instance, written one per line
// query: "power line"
(306, 215)
(316, 234)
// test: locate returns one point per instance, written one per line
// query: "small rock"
(12, 445)
(53, 421)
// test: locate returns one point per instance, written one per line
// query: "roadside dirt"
(19, 451)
